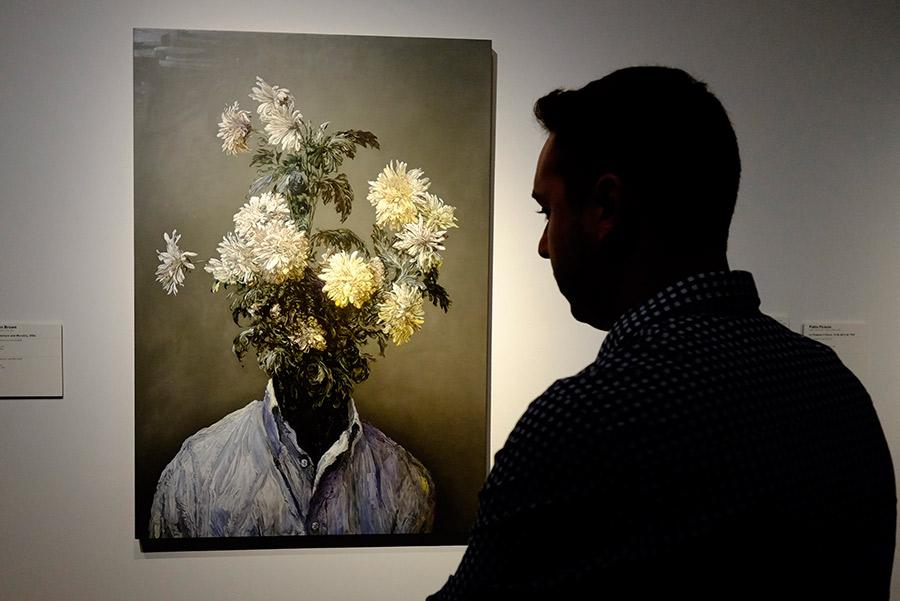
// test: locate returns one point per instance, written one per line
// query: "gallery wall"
(814, 93)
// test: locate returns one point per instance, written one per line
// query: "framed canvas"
(312, 218)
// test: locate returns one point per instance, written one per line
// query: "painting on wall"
(311, 244)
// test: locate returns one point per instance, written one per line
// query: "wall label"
(848, 339)
(30, 360)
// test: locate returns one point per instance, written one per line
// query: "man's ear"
(603, 211)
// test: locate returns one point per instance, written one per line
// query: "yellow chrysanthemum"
(438, 214)
(396, 194)
(402, 312)
(348, 279)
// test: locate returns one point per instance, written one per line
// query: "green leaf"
(293, 162)
(343, 239)
(337, 190)
(328, 152)
(264, 159)
(359, 137)
(436, 293)
(260, 184)
(241, 344)
(239, 309)
(293, 183)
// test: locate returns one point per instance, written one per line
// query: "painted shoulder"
(400, 463)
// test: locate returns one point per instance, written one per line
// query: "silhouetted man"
(708, 452)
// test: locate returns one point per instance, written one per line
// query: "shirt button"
(304, 462)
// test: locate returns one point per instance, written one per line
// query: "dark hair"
(665, 135)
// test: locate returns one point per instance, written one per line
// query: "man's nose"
(542, 245)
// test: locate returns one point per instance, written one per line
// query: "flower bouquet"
(310, 301)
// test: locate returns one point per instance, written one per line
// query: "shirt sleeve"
(520, 546)
(510, 549)
(416, 506)
(546, 514)
(172, 514)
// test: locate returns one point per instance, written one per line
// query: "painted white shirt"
(246, 475)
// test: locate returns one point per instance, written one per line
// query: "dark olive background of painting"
(429, 103)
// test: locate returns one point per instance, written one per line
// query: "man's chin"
(579, 313)
(588, 313)
(585, 303)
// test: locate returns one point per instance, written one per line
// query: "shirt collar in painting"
(279, 430)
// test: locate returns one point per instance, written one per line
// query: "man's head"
(639, 176)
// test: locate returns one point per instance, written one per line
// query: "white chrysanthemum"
(348, 279)
(279, 251)
(285, 128)
(234, 128)
(422, 242)
(221, 274)
(438, 214)
(308, 334)
(235, 263)
(260, 211)
(320, 132)
(269, 97)
(402, 312)
(396, 193)
(172, 263)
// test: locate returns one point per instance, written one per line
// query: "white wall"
(813, 89)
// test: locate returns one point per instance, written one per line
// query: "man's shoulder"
(246, 420)
(385, 450)
(399, 473)
(705, 329)
(685, 358)
(228, 439)
(716, 340)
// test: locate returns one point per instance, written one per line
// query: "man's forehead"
(548, 151)
(547, 164)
